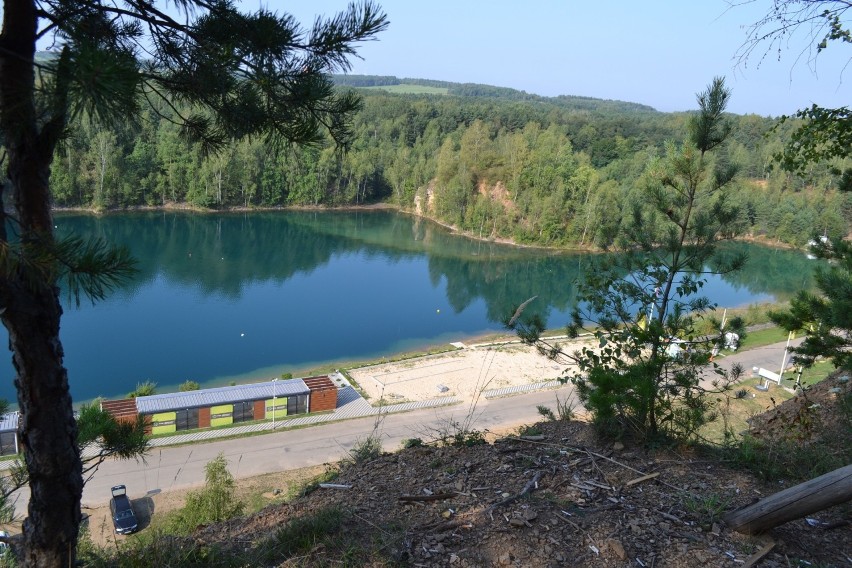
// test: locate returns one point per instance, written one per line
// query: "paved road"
(182, 467)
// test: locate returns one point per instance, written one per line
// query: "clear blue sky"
(655, 52)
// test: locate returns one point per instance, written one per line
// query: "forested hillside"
(495, 162)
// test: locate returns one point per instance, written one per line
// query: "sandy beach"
(462, 373)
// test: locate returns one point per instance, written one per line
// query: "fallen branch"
(335, 486)
(435, 497)
(531, 486)
(601, 456)
(633, 482)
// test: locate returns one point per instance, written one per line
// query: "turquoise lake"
(240, 297)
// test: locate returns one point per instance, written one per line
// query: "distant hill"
(475, 90)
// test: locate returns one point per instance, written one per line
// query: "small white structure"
(732, 341)
(674, 349)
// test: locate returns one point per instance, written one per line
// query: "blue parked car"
(123, 517)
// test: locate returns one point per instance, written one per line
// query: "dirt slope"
(582, 505)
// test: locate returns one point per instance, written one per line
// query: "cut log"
(809, 497)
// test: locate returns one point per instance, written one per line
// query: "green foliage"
(777, 459)
(330, 474)
(801, 448)
(822, 134)
(412, 443)
(644, 374)
(101, 436)
(464, 438)
(147, 388)
(220, 75)
(303, 534)
(819, 134)
(8, 485)
(535, 173)
(545, 412)
(366, 449)
(826, 315)
(707, 507)
(409, 89)
(565, 408)
(149, 548)
(216, 502)
(188, 386)
(529, 430)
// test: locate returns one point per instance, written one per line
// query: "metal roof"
(221, 395)
(9, 421)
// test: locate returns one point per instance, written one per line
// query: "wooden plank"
(641, 479)
(825, 491)
(755, 558)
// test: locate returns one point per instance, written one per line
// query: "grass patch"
(311, 485)
(303, 534)
(762, 338)
(805, 445)
(706, 508)
(773, 460)
(735, 412)
(811, 375)
(753, 314)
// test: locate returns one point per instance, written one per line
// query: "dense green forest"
(494, 162)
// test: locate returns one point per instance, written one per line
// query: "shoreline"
(175, 207)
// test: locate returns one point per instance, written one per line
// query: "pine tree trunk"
(48, 430)
(30, 309)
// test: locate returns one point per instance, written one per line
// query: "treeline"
(477, 90)
(558, 172)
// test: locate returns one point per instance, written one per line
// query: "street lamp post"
(274, 381)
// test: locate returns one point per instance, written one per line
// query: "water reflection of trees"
(774, 271)
(224, 253)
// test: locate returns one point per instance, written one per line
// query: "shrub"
(545, 412)
(147, 388)
(188, 386)
(366, 449)
(216, 502)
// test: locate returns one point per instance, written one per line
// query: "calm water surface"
(237, 297)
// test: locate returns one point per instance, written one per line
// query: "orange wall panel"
(204, 417)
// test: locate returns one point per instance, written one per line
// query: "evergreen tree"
(646, 374)
(236, 74)
(825, 316)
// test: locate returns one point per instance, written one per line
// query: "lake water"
(239, 297)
